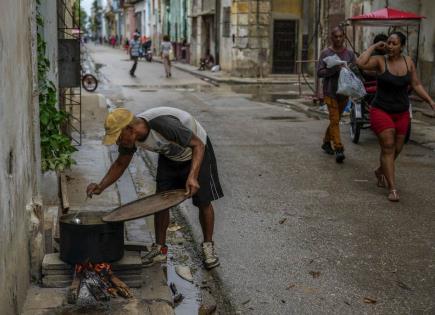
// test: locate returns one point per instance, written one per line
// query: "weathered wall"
(427, 46)
(48, 10)
(287, 7)
(226, 43)
(19, 162)
(251, 28)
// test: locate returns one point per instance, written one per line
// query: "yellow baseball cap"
(116, 120)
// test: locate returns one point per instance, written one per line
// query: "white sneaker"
(210, 258)
(158, 253)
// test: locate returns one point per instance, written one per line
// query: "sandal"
(382, 181)
(393, 195)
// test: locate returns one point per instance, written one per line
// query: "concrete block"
(264, 19)
(156, 286)
(260, 6)
(264, 7)
(243, 31)
(242, 19)
(242, 7)
(258, 31)
(53, 261)
(242, 42)
(131, 260)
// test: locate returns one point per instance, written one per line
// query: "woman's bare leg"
(387, 140)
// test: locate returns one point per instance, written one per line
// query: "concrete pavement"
(296, 233)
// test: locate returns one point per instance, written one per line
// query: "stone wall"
(19, 157)
(251, 33)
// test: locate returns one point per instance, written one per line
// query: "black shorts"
(173, 175)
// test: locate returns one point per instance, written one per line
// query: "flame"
(98, 268)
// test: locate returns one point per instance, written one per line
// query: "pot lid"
(146, 206)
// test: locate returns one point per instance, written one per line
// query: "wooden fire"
(99, 280)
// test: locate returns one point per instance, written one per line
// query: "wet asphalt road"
(296, 233)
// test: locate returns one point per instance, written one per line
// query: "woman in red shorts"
(389, 115)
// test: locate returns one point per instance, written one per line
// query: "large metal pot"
(92, 240)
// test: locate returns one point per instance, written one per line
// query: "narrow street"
(296, 233)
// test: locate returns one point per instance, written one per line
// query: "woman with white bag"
(389, 115)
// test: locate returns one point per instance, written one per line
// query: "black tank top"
(392, 91)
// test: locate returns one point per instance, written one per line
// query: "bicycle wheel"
(355, 125)
(89, 82)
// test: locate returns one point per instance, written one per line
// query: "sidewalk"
(93, 159)
(223, 77)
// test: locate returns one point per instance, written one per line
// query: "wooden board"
(146, 206)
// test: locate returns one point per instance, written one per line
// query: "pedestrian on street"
(389, 114)
(335, 102)
(186, 160)
(134, 52)
(166, 48)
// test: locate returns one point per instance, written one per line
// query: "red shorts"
(381, 120)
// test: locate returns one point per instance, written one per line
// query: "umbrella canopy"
(387, 17)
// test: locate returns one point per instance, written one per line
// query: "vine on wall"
(56, 148)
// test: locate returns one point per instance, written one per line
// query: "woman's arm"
(417, 86)
(368, 62)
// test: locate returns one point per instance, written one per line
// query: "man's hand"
(93, 189)
(192, 186)
(432, 104)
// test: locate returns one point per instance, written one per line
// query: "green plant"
(56, 148)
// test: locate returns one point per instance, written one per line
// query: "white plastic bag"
(349, 84)
(215, 68)
(332, 61)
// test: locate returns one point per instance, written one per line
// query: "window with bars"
(226, 22)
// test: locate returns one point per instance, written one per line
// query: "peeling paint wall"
(19, 143)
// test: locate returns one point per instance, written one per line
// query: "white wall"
(19, 143)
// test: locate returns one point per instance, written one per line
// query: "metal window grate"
(226, 22)
(70, 92)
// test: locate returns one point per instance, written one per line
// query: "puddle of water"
(178, 255)
(191, 295)
(267, 93)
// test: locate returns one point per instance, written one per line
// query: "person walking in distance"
(166, 48)
(186, 161)
(389, 114)
(134, 49)
(335, 102)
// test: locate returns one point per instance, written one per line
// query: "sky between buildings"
(87, 4)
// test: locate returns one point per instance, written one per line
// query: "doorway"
(284, 46)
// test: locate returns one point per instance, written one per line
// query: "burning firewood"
(121, 287)
(99, 280)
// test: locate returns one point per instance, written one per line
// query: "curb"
(231, 80)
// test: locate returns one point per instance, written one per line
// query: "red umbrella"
(388, 14)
